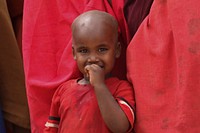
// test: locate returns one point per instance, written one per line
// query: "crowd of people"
(159, 56)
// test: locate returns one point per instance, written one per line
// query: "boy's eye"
(102, 49)
(83, 50)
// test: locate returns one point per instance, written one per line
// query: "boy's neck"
(83, 81)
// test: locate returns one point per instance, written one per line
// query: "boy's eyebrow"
(78, 44)
(103, 45)
(80, 47)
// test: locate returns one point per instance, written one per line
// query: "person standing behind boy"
(165, 54)
(96, 102)
(13, 100)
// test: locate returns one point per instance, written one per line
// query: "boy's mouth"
(100, 65)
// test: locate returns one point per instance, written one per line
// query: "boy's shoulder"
(67, 84)
(116, 82)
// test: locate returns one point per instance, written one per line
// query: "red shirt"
(75, 109)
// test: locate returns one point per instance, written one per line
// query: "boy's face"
(95, 45)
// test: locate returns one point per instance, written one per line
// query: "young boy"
(98, 102)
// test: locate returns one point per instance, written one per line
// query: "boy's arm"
(112, 114)
(52, 124)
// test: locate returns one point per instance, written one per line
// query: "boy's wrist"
(100, 86)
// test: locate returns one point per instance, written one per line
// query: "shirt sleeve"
(125, 98)
(52, 124)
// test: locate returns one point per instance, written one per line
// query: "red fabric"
(118, 8)
(163, 65)
(124, 36)
(47, 52)
(76, 106)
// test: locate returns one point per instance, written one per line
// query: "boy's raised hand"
(95, 74)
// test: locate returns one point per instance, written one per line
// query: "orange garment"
(13, 98)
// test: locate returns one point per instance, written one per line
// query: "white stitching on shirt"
(51, 125)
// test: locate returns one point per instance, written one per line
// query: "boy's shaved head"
(95, 41)
(93, 21)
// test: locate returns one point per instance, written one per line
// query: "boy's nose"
(93, 58)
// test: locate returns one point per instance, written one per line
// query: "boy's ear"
(73, 53)
(118, 50)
